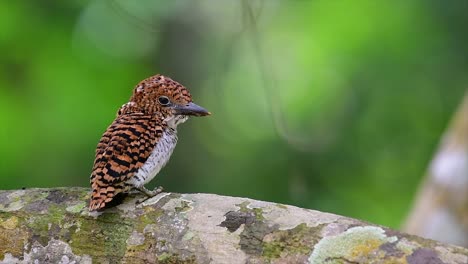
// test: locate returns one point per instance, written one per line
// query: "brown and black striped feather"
(122, 150)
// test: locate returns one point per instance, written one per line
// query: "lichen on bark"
(54, 225)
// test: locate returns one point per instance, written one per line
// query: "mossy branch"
(54, 226)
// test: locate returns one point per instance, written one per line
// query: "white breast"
(157, 160)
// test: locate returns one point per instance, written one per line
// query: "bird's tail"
(101, 197)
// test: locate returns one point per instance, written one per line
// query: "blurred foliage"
(331, 105)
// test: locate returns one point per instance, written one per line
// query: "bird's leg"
(148, 193)
(133, 191)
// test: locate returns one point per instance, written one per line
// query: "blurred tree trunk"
(54, 226)
(441, 208)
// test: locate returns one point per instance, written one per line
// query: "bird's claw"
(149, 194)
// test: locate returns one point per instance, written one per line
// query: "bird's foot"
(134, 192)
(148, 193)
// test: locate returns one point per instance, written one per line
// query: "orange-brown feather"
(123, 149)
(130, 139)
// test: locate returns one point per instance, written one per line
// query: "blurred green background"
(332, 105)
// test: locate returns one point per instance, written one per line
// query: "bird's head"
(162, 95)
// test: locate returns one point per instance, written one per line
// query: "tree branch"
(440, 210)
(54, 226)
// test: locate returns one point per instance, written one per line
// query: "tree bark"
(54, 226)
(440, 210)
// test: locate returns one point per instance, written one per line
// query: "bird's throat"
(175, 120)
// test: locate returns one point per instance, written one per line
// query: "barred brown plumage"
(141, 139)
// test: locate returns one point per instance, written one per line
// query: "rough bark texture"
(54, 226)
(441, 208)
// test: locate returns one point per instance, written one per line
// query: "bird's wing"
(122, 150)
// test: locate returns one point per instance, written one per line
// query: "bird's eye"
(163, 100)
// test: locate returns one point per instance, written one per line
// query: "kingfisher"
(141, 139)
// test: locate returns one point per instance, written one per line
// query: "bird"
(140, 140)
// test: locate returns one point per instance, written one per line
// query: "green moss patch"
(104, 236)
(184, 206)
(167, 258)
(297, 241)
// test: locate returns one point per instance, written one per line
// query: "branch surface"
(54, 226)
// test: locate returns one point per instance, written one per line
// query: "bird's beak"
(190, 109)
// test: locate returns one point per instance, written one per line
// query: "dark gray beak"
(190, 109)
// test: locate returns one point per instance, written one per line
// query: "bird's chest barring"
(157, 160)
